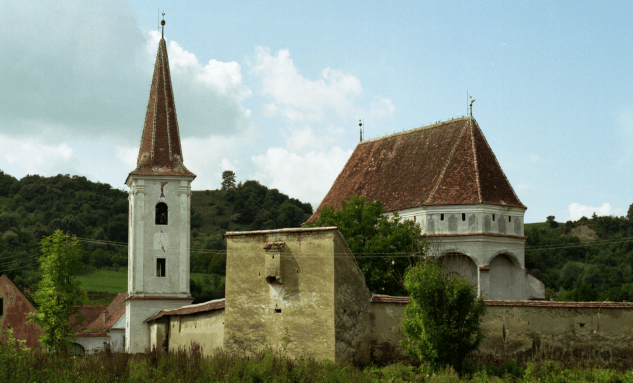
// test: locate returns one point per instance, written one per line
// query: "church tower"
(159, 221)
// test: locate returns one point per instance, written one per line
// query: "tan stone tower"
(159, 223)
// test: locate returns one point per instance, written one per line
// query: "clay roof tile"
(448, 163)
(160, 152)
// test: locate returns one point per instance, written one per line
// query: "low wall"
(535, 330)
(204, 329)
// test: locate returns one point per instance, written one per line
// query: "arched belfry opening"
(161, 213)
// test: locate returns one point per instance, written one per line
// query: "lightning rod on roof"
(360, 125)
(162, 23)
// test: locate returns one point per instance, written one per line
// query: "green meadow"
(114, 282)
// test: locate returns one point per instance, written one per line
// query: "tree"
(384, 247)
(228, 180)
(629, 214)
(59, 290)
(552, 221)
(442, 321)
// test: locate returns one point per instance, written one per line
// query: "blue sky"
(274, 90)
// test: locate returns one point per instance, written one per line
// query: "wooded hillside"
(586, 260)
(97, 214)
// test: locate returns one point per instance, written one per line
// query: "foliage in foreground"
(384, 247)
(59, 290)
(18, 364)
(442, 320)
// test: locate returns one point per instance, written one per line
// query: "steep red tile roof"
(217, 304)
(448, 163)
(160, 152)
(90, 313)
(113, 313)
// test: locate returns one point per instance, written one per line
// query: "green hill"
(97, 214)
(584, 260)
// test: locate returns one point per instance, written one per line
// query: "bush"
(442, 320)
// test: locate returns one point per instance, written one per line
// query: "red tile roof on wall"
(160, 152)
(449, 163)
(604, 305)
(217, 304)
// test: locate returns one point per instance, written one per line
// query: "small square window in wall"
(160, 267)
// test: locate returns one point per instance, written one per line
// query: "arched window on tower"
(161, 213)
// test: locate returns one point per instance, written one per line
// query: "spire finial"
(162, 23)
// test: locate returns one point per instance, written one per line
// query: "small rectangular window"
(277, 311)
(463, 216)
(441, 217)
(413, 218)
(1, 307)
(160, 267)
(493, 217)
(509, 219)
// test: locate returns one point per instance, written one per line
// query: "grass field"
(114, 282)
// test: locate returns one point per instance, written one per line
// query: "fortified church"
(301, 289)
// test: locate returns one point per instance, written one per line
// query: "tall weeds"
(19, 364)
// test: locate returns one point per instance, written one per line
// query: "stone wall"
(204, 329)
(588, 331)
(318, 305)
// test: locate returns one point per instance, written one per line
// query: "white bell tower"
(159, 222)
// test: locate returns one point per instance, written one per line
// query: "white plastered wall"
(490, 236)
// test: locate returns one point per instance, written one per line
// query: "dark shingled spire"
(449, 163)
(160, 152)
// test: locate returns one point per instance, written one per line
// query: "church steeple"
(160, 152)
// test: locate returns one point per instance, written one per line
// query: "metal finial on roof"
(360, 125)
(471, 106)
(162, 23)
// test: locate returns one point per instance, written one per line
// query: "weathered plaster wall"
(137, 332)
(149, 241)
(158, 334)
(297, 314)
(352, 298)
(385, 323)
(477, 219)
(91, 343)
(559, 333)
(539, 330)
(14, 310)
(204, 329)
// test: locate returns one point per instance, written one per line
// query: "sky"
(274, 90)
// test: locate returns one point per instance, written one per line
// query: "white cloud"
(576, 210)
(307, 177)
(27, 156)
(127, 155)
(301, 99)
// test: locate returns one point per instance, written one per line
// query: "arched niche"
(162, 213)
(460, 264)
(505, 279)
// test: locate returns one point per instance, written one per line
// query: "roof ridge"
(472, 138)
(448, 161)
(424, 127)
(494, 156)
